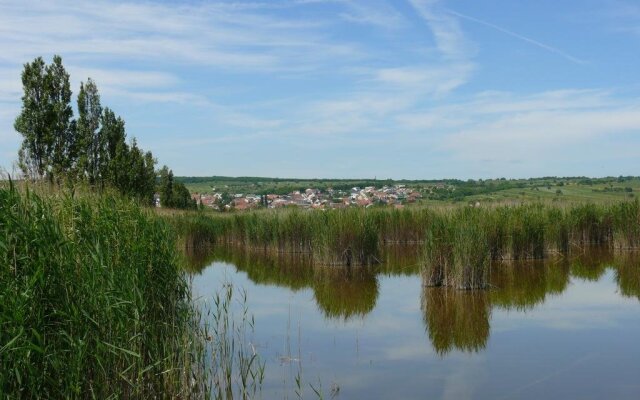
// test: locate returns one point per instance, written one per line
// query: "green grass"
(93, 301)
(571, 192)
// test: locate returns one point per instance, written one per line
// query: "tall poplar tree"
(113, 135)
(45, 119)
(60, 118)
(90, 142)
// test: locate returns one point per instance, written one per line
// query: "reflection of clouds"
(464, 379)
(408, 351)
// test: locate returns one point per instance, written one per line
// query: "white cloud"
(427, 79)
(446, 29)
(523, 127)
(225, 35)
(124, 78)
(377, 13)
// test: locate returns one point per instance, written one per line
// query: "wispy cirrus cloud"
(447, 32)
(223, 35)
(523, 38)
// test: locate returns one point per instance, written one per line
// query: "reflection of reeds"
(523, 285)
(345, 293)
(456, 319)
(340, 292)
(459, 319)
(627, 274)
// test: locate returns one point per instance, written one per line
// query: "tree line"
(91, 148)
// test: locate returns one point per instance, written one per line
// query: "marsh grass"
(332, 237)
(93, 301)
(459, 243)
(456, 250)
(235, 369)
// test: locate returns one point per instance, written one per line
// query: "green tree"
(166, 187)
(61, 115)
(93, 147)
(45, 119)
(112, 132)
(90, 141)
(173, 194)
(141, 173)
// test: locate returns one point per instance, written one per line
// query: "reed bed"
(93, 302)
(459, 243)
(337, 237)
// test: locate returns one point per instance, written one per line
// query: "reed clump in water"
(93, 301)
(456, 250)
(460, 243)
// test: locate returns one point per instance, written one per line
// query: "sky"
(414, 89)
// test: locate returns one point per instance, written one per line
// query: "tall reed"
(460, 243)
(93, 302)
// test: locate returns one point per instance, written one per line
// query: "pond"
(561, 329)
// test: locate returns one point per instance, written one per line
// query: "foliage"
(93, 302)
(92, 148)
(173, 194)
(45, 119)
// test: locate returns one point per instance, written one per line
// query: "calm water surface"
(554, 330)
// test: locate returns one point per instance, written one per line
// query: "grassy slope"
(570, 192)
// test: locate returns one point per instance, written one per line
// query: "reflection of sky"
(578, 344)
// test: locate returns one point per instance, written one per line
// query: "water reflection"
(523, 285)
(340, 292)
(453, 319)
(344, 293)
(456, 319)
(627, 275)
(459, 320)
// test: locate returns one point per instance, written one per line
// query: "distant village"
(395, 196)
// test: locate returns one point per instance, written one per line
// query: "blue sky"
(349, 88)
